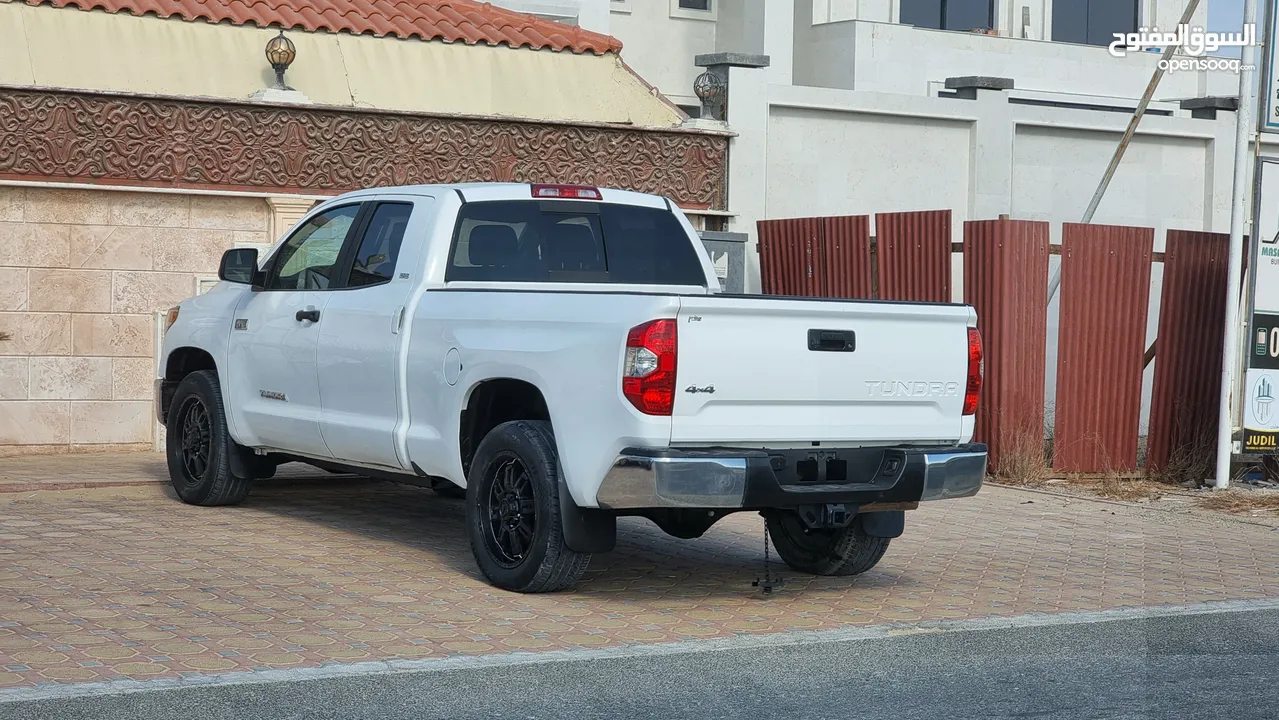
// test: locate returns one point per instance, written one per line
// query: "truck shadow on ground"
(646, 564)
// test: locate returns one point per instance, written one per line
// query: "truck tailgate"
(778, 370)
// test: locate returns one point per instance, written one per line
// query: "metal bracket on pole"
(1137, 114)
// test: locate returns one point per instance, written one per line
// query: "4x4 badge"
(693, 389)
(241, 324)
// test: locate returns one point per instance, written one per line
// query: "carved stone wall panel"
(84, 137)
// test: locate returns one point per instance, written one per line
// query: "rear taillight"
(570, 192)
(648, 375)
(976, 368)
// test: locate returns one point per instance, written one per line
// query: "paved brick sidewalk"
(108, 583)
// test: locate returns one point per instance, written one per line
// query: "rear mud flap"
(586, 530)
(888, 524)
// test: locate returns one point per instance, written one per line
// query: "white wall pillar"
(285, 211)
(594, 15)
(991, 156)
(779, 39)
(748, 159)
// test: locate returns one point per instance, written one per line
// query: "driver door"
(275, 337)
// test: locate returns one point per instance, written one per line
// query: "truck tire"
(513, 511)
(836, 552)
(199, 448)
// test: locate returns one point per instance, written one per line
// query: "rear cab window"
(572, 241)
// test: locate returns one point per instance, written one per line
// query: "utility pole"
(1238, 214)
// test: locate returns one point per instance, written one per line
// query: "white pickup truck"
(565, 355)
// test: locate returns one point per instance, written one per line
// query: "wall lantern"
(280, 52)
(711, 89)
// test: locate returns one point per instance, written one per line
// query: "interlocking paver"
(103, 583)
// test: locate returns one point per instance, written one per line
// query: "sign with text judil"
(1260, 396)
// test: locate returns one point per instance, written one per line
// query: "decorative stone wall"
(157, 142)
(82, 273)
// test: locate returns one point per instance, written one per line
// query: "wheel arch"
(181, 362)
(491, 402)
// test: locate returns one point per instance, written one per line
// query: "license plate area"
(879, 467)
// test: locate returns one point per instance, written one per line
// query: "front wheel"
(199, 446)
(513, 511)
(838, 552)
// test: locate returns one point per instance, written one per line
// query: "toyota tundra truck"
(561, 356)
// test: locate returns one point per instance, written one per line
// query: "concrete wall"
(803, 151)
(659, 42)
(82, 273)
(886, 57)
(47, 46)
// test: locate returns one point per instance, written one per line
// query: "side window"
(307, 258)
(374, 261)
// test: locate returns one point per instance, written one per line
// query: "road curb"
(788, 639)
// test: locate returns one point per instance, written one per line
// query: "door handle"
(832, 340)
(308, 314)
(397, 321)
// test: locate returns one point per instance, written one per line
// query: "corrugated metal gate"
(1105, 291)
(1106, 274)
(816, 257)
(913, 251)
(1006, 281)
(1183, 410)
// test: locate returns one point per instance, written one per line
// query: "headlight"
(171, 318)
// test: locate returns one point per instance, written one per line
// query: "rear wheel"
(199, 447)
(840, 551)
(513, 511)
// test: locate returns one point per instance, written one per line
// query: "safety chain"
(768, 583)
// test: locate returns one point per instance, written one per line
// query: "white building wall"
(886, 57)
(659, 42)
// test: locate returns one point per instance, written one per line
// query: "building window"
(692, 9)
(1093, 22)
(962, 15)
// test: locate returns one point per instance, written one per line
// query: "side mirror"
(239, 265)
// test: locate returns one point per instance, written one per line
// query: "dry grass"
(1238, 502)
(1021, 460)
(1126, 489)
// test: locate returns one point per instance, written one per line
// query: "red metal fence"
(1104, 294)
(1187, 387)
(1105, 291)
(819, 257)
(1006, 281)
(913, 254)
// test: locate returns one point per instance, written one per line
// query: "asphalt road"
(1220, 665)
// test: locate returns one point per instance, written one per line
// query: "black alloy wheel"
(196, 441)
(514, 512)
(510, 523)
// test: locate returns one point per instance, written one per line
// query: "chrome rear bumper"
(757, 479)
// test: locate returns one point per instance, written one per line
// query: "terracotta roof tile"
(466, 21)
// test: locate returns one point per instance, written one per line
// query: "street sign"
(1270, 73)
(1260, 397)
